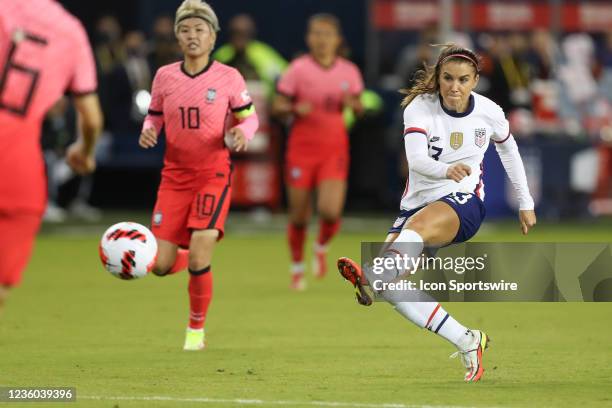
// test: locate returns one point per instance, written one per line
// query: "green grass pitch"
(119, 343)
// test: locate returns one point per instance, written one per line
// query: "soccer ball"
(128, 250)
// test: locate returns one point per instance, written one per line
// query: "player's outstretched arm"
(239, 141)
(458, 171)
(419, 160)
(353, 102)
(154, 121)
(148, 138)
(527, 219)
(513, 164)
(245, 131)
(283, 107)
(81, 154)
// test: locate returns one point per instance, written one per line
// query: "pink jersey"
(44, 52)
(324, 88)
(193, 110)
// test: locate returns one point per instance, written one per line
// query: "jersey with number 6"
(194, 109)
(44, 53)
(452, 138)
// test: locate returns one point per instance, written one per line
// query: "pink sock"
(327, 230)
(181, 261)
(296, 236)
(200, 294)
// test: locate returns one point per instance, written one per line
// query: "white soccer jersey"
(453, 137)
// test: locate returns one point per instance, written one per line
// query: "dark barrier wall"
(548, 162)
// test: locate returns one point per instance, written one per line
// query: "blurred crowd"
(545, 84)
(556, 92)
(559, 87)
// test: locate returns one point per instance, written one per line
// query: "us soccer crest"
(480, 136)
(211, 95)
(456, 140)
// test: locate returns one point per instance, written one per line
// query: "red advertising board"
(406, 15)
(509, 16)
(587, 16)
(494, 15)
(255, 183)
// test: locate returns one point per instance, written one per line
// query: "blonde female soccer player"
(191, 100)
(447, 129)
(314, 90)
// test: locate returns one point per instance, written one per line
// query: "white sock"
(429, 315)
(433, 317)
(319, 248)
(417, 312)
(190, 330)
(408, 243)
(297, 268)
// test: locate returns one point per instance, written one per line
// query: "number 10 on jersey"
(190, 117)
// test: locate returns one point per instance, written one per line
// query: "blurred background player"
(191, 100)
(447, 129)
(44, 52)
(68, 192)
(254, 59)
(314, 90)
(164, 48)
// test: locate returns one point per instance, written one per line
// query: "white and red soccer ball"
(128, 250)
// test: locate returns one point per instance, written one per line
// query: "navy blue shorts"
(469, 208)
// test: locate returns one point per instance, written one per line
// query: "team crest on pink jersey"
(211, 95)
(296, 172)
(480, 136)
(157, 218)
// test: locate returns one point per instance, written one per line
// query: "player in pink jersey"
(314, 90)
(191, 100)
(44, 52)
